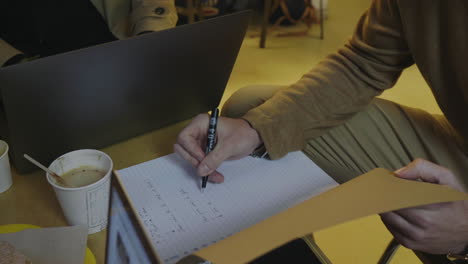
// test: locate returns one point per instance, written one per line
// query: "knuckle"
(193, 161)
(181, 137)
(419, 162)
(207, 164)
(198, 118)
(184, 141)
(214, 156)
(210, 166)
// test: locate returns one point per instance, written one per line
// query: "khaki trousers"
(385, 134)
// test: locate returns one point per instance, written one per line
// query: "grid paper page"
(181, 219)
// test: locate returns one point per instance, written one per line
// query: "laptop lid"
(94, 97)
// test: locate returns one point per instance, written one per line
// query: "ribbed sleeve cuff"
(279, 137)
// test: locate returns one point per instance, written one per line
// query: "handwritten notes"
(180, 219)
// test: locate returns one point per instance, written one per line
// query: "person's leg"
(390, 136)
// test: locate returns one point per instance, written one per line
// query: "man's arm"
(341, 85)
(127, 18)
(152, 15)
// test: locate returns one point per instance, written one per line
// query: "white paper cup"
(85, 205)
(5, 171)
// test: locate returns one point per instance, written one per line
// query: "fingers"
(420, 169)
(403, 231)
(189, 147)
(192, 147)
(395, 222)
(235, 139)
(216, 177)
(428, 172)
(190, 139)
(416, 216)
(212, 161)
(427, 228)
(185, 155)
(422, 228)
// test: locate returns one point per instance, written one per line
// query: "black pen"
(211, 139)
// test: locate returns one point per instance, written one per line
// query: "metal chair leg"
(321, 19)
(389, 252)
(266, 16)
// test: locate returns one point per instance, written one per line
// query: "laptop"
(97, 96)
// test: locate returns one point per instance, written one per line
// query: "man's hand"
(436, 228)
(235, 139)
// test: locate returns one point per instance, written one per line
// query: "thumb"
(212, 161)
(426, 171)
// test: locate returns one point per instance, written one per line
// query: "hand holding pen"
(234, 139)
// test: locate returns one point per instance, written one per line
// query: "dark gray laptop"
(94, 97)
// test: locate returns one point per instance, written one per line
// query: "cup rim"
(86, 186)
(7, 148)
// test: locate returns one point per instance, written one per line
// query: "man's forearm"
(340, 86)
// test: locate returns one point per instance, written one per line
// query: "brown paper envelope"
(374, 192)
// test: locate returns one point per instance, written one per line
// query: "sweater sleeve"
(152, 15)
(127, 18)
(341, 85)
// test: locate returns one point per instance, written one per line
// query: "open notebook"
(181, 220)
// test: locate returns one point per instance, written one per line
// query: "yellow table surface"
(31, 200)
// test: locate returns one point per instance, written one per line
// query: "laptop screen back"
(101, 95)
